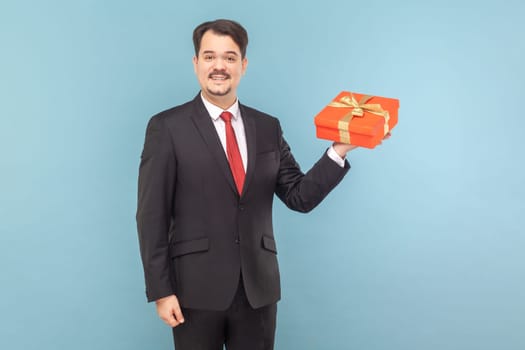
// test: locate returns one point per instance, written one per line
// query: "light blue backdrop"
(420, 247)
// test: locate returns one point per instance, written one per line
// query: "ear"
(244, 65)
(195, 61)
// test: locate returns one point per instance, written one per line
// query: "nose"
(219, 63)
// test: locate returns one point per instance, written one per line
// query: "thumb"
(178, 313)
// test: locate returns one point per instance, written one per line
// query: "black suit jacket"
(196, 233)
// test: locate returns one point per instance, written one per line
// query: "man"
(208, 174)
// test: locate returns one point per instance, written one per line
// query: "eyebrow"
(227, 52)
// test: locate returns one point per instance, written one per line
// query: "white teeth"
(218, 77)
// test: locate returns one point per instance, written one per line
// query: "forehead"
(218, 43)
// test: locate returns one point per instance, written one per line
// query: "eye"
(231, 59)
(208, 57)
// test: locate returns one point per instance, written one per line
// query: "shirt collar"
(215, 111)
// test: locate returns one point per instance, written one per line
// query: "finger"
(171, 321)
(178, 314)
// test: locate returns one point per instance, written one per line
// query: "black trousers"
(240, 327)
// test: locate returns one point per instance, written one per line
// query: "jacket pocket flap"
(188, 247)
(268, 154)
(269, 244)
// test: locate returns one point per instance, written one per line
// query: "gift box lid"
(368, 124)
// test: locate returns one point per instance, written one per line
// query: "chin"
(221, 92)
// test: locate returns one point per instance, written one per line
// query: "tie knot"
(226, 116)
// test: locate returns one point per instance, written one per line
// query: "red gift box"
(357, 119)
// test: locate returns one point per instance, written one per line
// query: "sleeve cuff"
(332, 154)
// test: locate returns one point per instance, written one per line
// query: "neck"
(223, 102)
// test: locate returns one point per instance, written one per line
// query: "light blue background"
(420, 247)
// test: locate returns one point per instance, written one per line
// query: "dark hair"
(222, 27)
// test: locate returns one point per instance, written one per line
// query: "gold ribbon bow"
(358, 109)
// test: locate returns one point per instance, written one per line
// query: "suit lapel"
(204, 124)
(251, 142)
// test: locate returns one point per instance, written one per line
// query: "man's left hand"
(343, 148)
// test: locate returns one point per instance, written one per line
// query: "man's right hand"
(168, 309)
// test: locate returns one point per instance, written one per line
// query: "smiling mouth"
(219, 76)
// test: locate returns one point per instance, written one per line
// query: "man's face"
(219, 68)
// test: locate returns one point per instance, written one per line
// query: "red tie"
(234, 155)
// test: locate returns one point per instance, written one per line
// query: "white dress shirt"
(238, 126)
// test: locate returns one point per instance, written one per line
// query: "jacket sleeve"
(303, 192)
(156, 187)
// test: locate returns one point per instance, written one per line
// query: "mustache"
(219, 72)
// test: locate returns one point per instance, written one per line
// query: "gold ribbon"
(358, 109)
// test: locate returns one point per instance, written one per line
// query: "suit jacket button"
(241, 207)
(237, 240)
